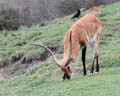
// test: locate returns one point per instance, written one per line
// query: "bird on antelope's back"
(77, 14)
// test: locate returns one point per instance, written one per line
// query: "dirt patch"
(42, 57)
(28, 61)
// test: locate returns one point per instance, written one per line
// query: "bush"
(10, 18)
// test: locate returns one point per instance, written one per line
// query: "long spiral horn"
(54, 57)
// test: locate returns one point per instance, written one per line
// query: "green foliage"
(10, 18)
(42, 24)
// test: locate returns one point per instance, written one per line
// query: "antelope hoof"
(85, 76)
(96, 72)
(62, 79)
(91, 74)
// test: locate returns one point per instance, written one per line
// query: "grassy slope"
(43, 78)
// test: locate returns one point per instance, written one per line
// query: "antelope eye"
(68, 67)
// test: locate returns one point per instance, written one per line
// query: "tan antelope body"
(86, 31)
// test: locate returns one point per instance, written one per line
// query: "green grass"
(43, 78)
(106, 83)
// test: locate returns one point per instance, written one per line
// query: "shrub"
(10, 18)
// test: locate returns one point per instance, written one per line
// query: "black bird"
(77, 14)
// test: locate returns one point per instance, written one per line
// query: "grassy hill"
(27, 74)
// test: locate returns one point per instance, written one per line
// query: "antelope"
(85, 31)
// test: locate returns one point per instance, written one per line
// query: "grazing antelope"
(86, 31)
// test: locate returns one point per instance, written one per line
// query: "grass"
(106, 83)
(43, 78)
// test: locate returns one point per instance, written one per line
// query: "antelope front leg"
(83, 60)
(97, 65)
(92, 68)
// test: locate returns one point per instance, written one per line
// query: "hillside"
(30, 71)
